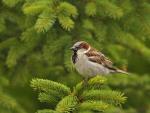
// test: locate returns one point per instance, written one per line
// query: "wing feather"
(98, 57)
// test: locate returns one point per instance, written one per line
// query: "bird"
(90, 62)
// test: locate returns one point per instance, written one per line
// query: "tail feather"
(116, 70)
(121, 71)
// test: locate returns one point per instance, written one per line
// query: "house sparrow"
(89, 62)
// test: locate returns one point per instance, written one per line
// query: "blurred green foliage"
(35, 37)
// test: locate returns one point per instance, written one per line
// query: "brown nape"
(84, 45)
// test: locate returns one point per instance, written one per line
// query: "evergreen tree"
(91, 98)
(35, 37)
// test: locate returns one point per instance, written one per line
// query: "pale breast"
(81, 64)
(89, 69)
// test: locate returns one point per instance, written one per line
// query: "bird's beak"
(73, 49)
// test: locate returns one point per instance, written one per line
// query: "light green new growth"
(49, 86)
(92, 97)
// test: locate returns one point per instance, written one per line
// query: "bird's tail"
(121, 71)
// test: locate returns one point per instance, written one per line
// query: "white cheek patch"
(87, 50)
(81, 51)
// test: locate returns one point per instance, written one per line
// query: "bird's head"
(80, 46)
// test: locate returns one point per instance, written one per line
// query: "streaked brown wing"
(99, 58)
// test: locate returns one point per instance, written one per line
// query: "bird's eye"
(77, 47)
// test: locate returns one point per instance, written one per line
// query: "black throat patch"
(74, 57)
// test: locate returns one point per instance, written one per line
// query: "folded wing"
(98, 57)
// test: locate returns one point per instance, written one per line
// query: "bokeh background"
(35, 37)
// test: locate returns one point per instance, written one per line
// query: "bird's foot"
(85, 82)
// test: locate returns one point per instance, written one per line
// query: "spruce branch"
(36, 7)
(135, 44)
(82, 98)
(88, 24)
(10, 103)
(47, 85)
(21, 48)
(67, 9)
(65, 13)
(8, 43)
(14, 54)
(94, 83)
(108, 96)
(91, 9)
(44, 97)
(11, 3)
(45, 21)
(66, 22)
(93, 105)
(109, 9)
(67, 104)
